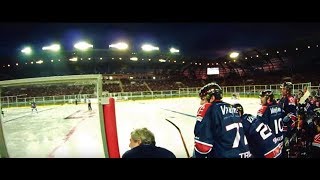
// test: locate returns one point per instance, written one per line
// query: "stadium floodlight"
(83, 46)
(148, 47)
(73, 59)
(234, 54)
(39, 62)
(26, 50)
(120, 46)
(174, 50)
(53, 47)
(134, 59)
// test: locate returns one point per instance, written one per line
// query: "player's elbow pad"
(292, 117)
(203, 148)
(286, 119)
(289, 117)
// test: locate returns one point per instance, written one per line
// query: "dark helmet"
(239, 108)
(267, 93)
(211, 89)
(317, 112)
(316, 118)
(301, 109)
(287, 85)
(313, 93)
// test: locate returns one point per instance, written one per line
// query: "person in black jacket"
(315, 148)
(143, 145)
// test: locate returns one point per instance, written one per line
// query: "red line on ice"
(51, 155)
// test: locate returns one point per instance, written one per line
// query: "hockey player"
(261, 140)
(34, 107)
(234, 96)
(289, 104)
(271, 114)
(204, 105)
(89, 105)
(219, 131)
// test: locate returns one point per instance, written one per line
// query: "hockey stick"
(184, 143)
(304, 97)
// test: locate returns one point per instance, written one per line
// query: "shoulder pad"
(292, 100)
(262, 110)
(248, 117)
(202, 111)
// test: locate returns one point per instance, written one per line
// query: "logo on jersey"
(275, 110)
(250, 118)
(275, 140)
(226, 110)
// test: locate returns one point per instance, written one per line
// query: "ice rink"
(71, 131)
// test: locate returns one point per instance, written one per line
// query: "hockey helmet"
(209, 90)
(239, 108)
(287, 85)
(267, 93)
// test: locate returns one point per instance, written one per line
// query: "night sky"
(194, 39)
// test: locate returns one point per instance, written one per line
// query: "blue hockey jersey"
(273, 115)
(220, 133)
(262, 141)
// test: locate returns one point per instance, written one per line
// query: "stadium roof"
(210, 40)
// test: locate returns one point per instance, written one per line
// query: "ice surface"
(72, 131)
